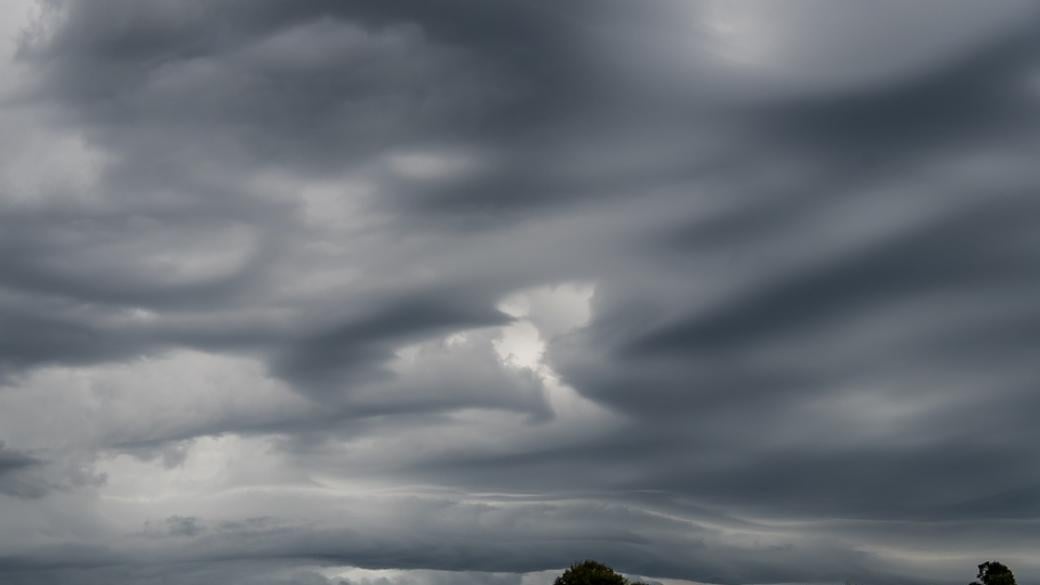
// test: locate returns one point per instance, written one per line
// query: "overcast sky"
(458, 292)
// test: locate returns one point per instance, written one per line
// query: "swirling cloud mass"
(419, 292)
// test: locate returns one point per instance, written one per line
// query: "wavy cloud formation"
(402, 292)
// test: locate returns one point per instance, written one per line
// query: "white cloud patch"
(145, 401)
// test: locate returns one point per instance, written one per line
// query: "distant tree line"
(595, 573)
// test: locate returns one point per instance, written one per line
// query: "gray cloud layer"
(728, 292)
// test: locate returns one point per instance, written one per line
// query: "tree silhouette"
(994, 573)
(590, 573)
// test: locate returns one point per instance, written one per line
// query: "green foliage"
(590, 573)
(994, 573)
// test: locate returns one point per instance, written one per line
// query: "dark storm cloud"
(13, 460)
(28, 477)
(321, 85)
(813, 253)
(186, 526)
(312, 87)
(12, 482)
(343, 349)
(48, 338)
(946, 316)
(973, 99)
